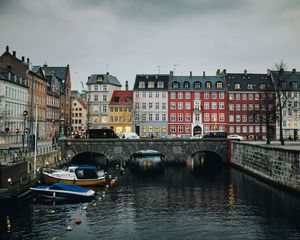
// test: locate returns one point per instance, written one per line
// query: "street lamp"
(25, 113)
(17, 132)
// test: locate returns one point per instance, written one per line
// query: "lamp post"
(25, 113)
(62, 123)
(17, 133)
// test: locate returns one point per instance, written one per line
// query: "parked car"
(128, 135)
(215, 134)
(235, 137)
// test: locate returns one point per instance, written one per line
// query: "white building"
(100, 90)
(13, 107)
(150, 97)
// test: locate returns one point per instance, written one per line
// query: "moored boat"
(82, 175)
(62, 191)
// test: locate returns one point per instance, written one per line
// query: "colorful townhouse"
(150, 96)
(197, 104)
(251, 105)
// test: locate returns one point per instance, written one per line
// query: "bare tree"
(280, 78)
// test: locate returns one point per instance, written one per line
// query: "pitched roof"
(248, 82)
(103, 79)
(82, 103)
(10, 76)
(60, 72)
(122, 97)
(146, 78)
(292, 79)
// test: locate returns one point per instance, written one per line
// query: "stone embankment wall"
(275, 164)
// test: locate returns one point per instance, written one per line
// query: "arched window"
(186, 84)
(219, 85)
(175, 85)
(208, 85)
(197, 84)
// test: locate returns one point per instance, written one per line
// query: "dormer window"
(262, 86)
(294, 85)
(175, 85)
(208, 85)
(197, 85)
(150, 84)
(160, 84)
(141, 84)
(99, 79)
(186, 85)
(237, 86)
(250, 86)
(117, 99)
(219, 85)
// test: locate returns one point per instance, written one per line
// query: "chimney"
(224, 71)
(126, 85)
(191, 73)
(171, 73)
(7, 48)
(268, 72)
(23, 59)
(45, 64)
(245, 71)
(89, 77)
(14, 53)
(28, 61)
(218, 72)
(107, 73)
(203, 73)
(294, 70)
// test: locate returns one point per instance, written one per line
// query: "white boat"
(83, 175)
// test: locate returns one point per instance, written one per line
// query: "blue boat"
(62, 191)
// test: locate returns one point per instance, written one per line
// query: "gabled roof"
(146, 78)
(103, 79)
(248, 81)
(122, 97)
(82, 103)
(10, 76)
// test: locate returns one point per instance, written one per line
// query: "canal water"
(174, 204)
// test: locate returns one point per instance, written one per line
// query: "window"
(238, 107)
(173, 117)
(213, 95)
(250, 107)
(231, 129)
(251, 118)
(144, 94)
(95, 98)
(186, 85)
(187, 106)
(150, 84)
(180, 128)
(231, 107)
(150, 117)
(197, 85)
(180, 95)
(173, 95)
(206, 95)
(156, 116)
(150, 94)
(197, 117)
(160, 84)
(231, 96)
(197, 95)
(180, 117)
(219, 85)
(244, 107)
(137, 105)
(206, 105)
(206, 117)
(237, 118)
(163, 117)
(208, 85)
(244, 118)
(141, 84)
(143, 105)
(237, 86)
(250, 129)
(250, 86)
(238, 129)
(214, 105)
(221, 95)
(237, 96)
(188, 129)
(150, 105)
(163, 129)
(262, 86)
(157, 105)
(144, 129)
(231, 118)
(187, 117)
(256, 96)
(256, 107)
(156, 129)
(157, 94)
(173, 129)
(163, 105)
(96, 88)
(180, 105)
(221, 117)
(187, 95)
(163, 95)
(104, 108)
(175, 85)
(150, 129)
(172, 105)
(257, 129)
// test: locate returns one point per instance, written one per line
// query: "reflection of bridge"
(175, 150)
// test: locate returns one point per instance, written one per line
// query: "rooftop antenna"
(159, 66)
(175, 65)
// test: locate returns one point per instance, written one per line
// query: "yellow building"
(120, 114)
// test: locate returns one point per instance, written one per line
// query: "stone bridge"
(174, 150)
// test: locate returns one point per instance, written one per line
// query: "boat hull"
(81, 182)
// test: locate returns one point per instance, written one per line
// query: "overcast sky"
(127, 37)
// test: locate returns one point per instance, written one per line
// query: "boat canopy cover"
(68, 187)
(84, 167)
